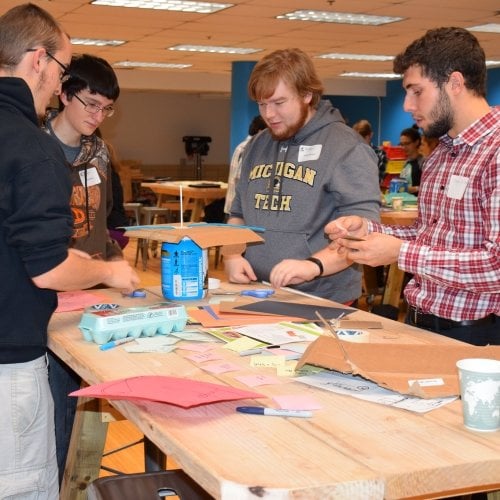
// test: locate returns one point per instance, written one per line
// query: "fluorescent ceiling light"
(177, 5)
(492, 63)
(355, 57)
(213, 49)
(486, 28)
(99, 43)
(139, 64)
(337, 17)
(358, 74)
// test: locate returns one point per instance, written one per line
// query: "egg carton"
(102, 323)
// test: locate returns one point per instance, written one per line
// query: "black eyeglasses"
(94, 108)
(65, 74)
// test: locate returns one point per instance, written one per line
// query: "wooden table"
(194, 198)
(349, 449)
(395, 277)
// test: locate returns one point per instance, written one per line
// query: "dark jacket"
(35, 223)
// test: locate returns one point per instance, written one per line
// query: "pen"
(259, 410)
(114, 343)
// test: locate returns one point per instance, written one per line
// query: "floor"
(122, 432)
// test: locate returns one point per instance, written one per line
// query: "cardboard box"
(204, 235)
(427, 371)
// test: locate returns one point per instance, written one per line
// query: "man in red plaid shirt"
(453, 248)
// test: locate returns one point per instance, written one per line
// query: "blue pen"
(259, 410)
(114, 343)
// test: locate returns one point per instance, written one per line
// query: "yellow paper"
(242, 344)
(266, 361)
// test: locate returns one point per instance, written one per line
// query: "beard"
(292, 129)
(442, 116)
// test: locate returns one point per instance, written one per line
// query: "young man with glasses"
(35, 231)
(86, 99)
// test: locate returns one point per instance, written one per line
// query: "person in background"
(117, 218)
(453, 249)
(411, 173)
(427, 146)
(86, 99)
(304, 169)
(256, 125)
(364, 129)
(36, 226)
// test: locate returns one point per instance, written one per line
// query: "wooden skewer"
(333, 333)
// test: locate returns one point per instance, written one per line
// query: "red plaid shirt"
(453, 249)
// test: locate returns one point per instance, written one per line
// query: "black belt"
(421, 319)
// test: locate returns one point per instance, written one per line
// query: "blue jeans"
(28, 467)
(63, 380)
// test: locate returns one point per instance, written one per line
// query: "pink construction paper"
(78, 300)
(256, 380)
(176, 391)
(297, 402)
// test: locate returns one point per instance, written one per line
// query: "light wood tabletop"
(195, 195)
(349, 449)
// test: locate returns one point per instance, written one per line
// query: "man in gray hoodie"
(306, 169)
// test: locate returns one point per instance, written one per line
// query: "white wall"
(149, 126)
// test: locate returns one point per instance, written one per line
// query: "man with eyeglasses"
(36, 226)
(86, 99)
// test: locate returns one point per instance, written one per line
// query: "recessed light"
(358, 74)
(213, 49)
(337, 17)
(486, 28)
(177, 5)
(99, 43)
(139, 64)
(355, 57)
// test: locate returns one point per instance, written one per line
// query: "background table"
(395, 277)
(194, 198)
(349, 449)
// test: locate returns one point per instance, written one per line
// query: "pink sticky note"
(256, 380)
(204, 356)
(221, 367)
(177, 391)
(196, 347)
(297, 402)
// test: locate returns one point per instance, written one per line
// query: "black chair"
(147, 486)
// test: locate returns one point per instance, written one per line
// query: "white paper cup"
(480, 393)
(397, 203)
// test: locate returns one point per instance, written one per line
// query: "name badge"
(92, 177)
(456, 187)
(309, 152)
